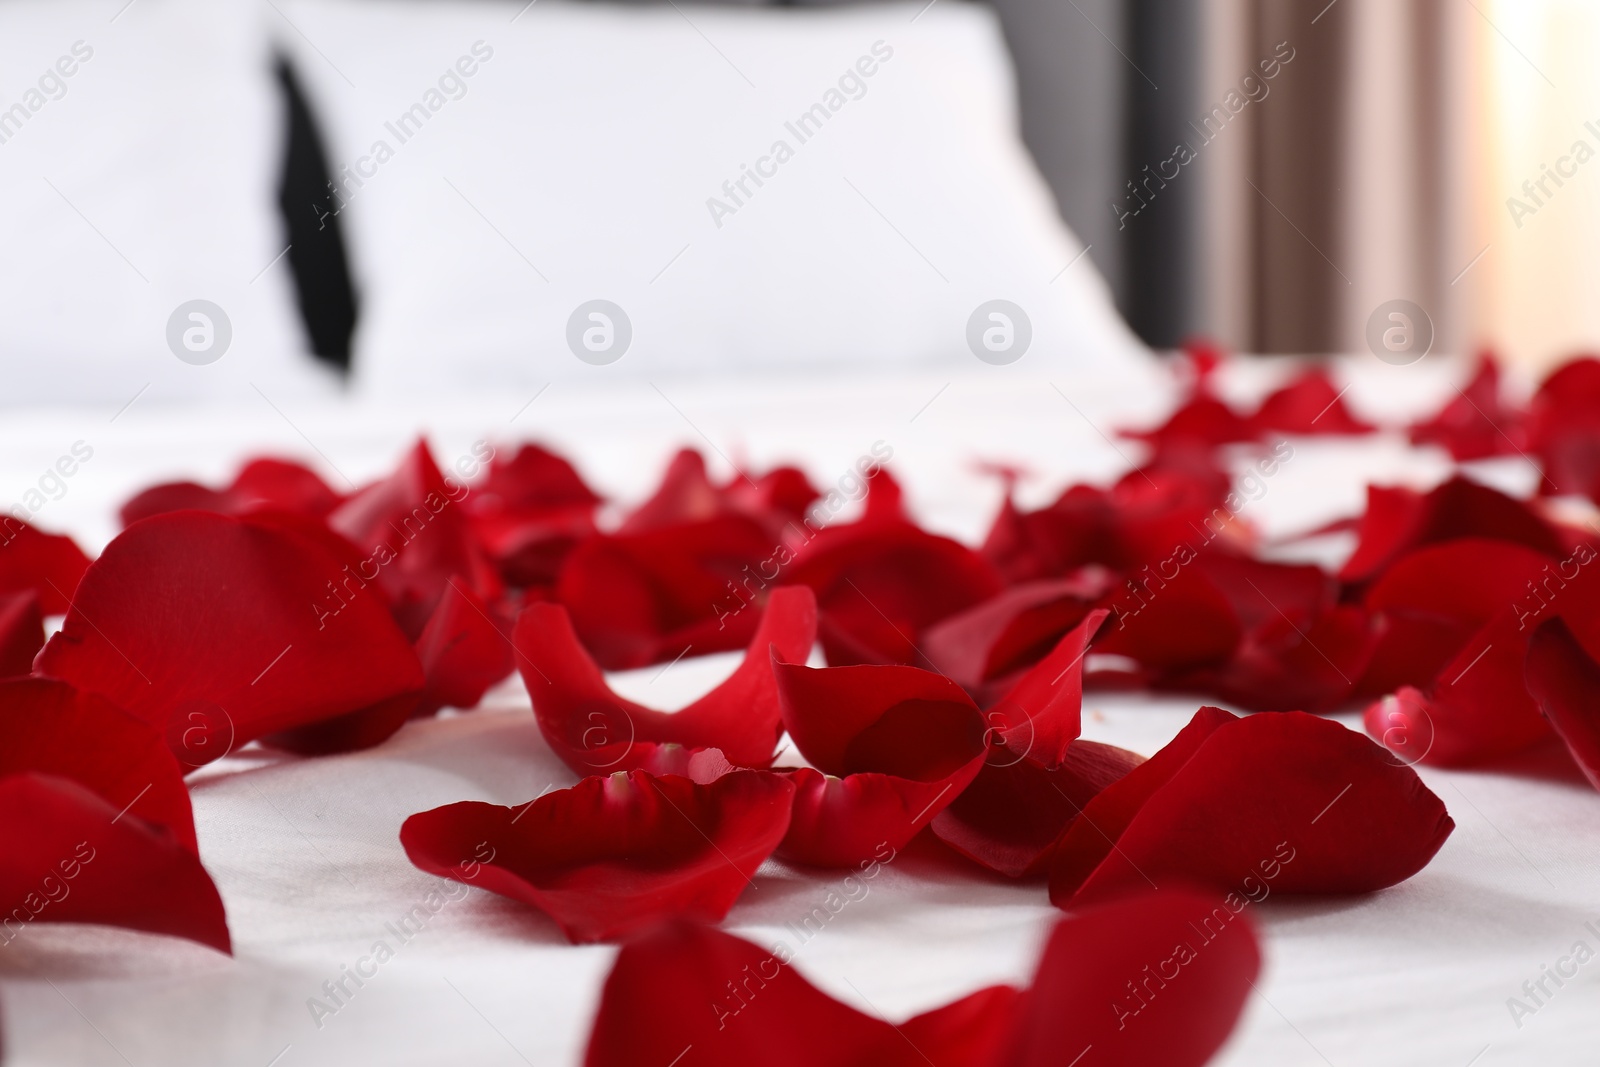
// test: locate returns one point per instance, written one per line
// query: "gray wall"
(1072, 85)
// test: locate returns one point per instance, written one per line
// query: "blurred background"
(426, 195)
(1388, 160)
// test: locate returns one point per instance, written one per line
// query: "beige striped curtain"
(1380, 166)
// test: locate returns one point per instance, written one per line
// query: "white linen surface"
(306, 855)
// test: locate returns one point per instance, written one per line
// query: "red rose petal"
(1040, 716)
(1430, 614)
(51, 728)
(1477, 710)
(685, 987)
(528, 549)
(1562, 428)
(613, 854)
(175, 496)
(700, 765)
(47, 565)
(1155, 978)
(881, 581)
(1315, 665)
(1080, 1010)
(1173, 624)
(896, 744)
(1308, 405)
(1201, 422)
(1402, 722)
(1475, 423)
(1565, 682)
(842, 822)
(417, 536)
(529, 513)
(971, 1032)
(1093, 837)
(21, 632)
(262, 483)
(1291, 801)
(1012, 813)
(592, 729)
(462, 650)
(687, 494)
(1263, 592)
(533, 478)
(1009, 633)
(58, 837)
(645, 598)
(1138, 520)
(1398, 521)
(199, 622)
(884, 719)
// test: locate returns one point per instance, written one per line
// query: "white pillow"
(139, 152)
(575, 152)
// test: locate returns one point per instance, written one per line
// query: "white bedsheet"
(306, 855)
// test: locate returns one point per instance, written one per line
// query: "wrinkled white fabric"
(307, 859)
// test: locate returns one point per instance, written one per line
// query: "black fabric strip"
(323, 287)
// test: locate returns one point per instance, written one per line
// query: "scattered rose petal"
(279, 484)
(842, 822)
(685, 987)
(1093, 836)
(1040, 715)
(645, 598)
(613, 854)
(117, 870)
(1011, 814)
(1398, 521)
(463, 651)
(1154, 978)
(1308, 405)
(530, 512)
(1565, 682)
(1140, 519)
(881, 581)
(1288, 801)
(1476, 710)
(1173, 624)
(1429, 614)
(990, 644)
(885, 719)
(21, 632)
(1195, 960)
(1474, 423)
(1563, 429)
(47, 565)
(51, 728)
(687, 494)
(219, 630)
(416, 537)
(700, 765)
(594, 730)
(1200, 423)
